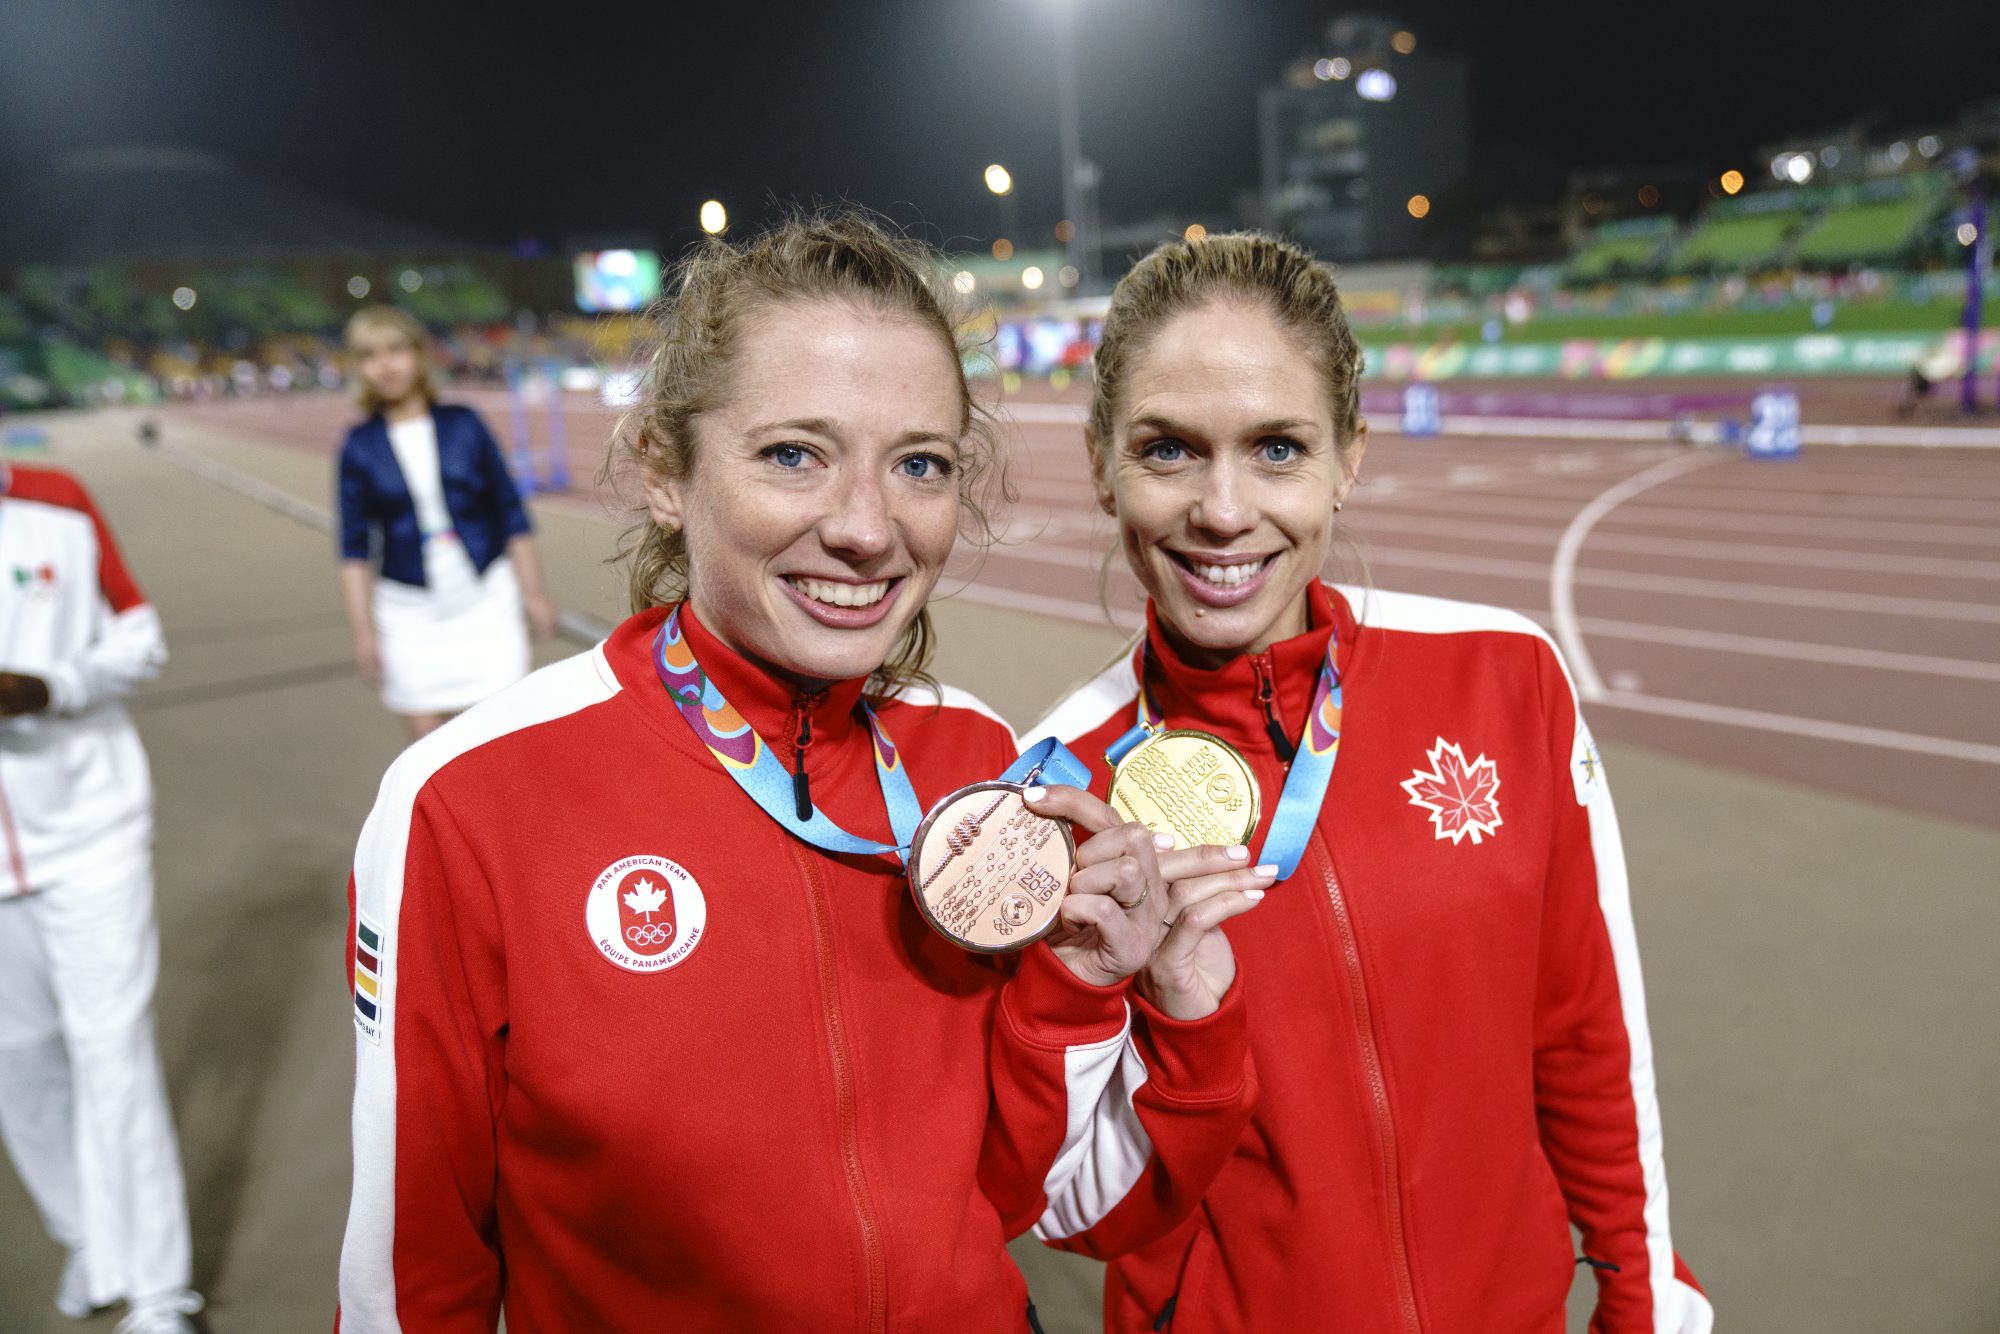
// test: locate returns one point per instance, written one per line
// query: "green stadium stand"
(1742, 241)
(1864, 232)
(1609, 256)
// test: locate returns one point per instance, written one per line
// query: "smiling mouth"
(831, 593)
(1226, 574)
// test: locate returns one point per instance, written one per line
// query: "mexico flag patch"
(370, 993)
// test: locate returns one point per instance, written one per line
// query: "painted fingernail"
(1034, 793)
(1163, 842)
(1238, 853)
(1253, 894)
(1267, 869)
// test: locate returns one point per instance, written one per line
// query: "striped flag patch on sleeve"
(371, 996)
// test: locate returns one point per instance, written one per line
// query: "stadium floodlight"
(409, 280)
(1340, 67)
(1929, 145)
(999, 180)
(1419, 206)
(184, 298)
(714, 217)
(1794, 167)
(1195, 232)
(1731, 181)
(1967, 234)
(1031, 277)
(1404, 42)
(1829, 156)
(1899, 153)
(1068, 276)
(1323, 69)
(963, 283)
(1003, 249)
(1375, 85)
(358, 287)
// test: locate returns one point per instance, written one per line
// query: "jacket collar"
(1229, 700)
(771, 703)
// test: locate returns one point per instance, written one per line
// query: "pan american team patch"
(371, 995)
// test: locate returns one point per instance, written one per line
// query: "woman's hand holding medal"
(1128, 892)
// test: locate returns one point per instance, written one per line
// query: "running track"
(1832, 620)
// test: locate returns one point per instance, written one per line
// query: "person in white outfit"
(83, 1104)
(438, 565)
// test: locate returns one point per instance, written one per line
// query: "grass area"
(1869, 317)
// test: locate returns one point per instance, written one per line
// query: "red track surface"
(1763, 616)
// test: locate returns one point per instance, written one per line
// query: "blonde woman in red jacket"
(1447, 1019)
(650, 1033)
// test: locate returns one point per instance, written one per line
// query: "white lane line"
(1562, 571)
(1928, 437)
(1842, 655)
(1756, 553)
(1815, 728)
(1675, 516)
(252, 488)
(1622, 428)
(1777, 595)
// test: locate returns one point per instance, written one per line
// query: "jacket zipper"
(802, 739)
(843, 1095)
(1378, 1088)
(1267, 697)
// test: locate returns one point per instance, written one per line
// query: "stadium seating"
(1878, 231)
(1617, 249)
(1742, 241)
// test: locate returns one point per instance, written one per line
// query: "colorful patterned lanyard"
(1312, 766)
(745, 758)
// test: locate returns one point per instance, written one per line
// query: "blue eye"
(1280, 450)
(787, 456)
(925, 467)
(1164, 451)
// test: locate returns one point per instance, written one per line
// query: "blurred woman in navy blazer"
(437, 557)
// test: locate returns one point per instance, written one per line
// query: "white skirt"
(446, 646)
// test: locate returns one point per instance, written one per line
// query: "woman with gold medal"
(1447, 1021)
(733, 974)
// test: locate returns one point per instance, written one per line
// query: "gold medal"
(1195, 786)
(987, 872)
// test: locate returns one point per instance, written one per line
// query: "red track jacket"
(632, 1057)
(1447, 1017)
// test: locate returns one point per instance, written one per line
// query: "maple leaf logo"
(1462, 798)
(645, 897)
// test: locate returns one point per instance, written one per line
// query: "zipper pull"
(1267, 696)
(801, 786)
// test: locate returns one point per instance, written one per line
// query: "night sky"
(620, 120)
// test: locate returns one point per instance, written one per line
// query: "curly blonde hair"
(845, 255)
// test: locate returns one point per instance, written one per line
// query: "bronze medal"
(987, 872)
(1195, 786)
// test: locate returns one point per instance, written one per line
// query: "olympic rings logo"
(647, 934)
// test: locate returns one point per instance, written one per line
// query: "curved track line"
(1562, 571)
